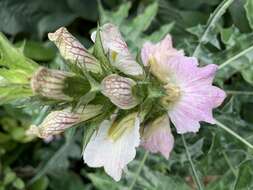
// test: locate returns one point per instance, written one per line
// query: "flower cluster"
(166, 87)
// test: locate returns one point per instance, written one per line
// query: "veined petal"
(50, 83)
(113, 155)
(160, 51)
(157, 136)
(58, 121)
(73, 51)
(197, 95)
(157, 55)
(119, 90)
(116, 47)
(190, 94)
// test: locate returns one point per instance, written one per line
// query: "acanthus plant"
(129, 102)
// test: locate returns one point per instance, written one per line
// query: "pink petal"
(198, 96)
(147, 52)
(157, 137)
(159, 50)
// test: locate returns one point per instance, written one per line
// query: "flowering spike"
(50, 83)
(157, 136)
(58, 121)
(72, 50)
(119, 90)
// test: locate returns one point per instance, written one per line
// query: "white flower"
(119, 55)
(114, 145)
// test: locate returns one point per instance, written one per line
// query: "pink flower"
(191, 95)
(157, 136)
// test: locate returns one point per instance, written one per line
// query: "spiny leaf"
(99, 53)
(116, 17)
(249, 11)
(161, 33)
(212, 21)
(140, 23)
(12, 92)
(11, 58)
(245, 176)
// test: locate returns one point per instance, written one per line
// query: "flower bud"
(119, 90)
(58, 121)
(49, 83)
(73, 51)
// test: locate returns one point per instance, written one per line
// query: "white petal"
(120, 56)
(102, 151)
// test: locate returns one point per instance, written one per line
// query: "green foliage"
(249, 9)
(15, 72)
(245, 176)
(133, 29)
(37, 51)
(99, 53)
(59, 159)
(40, 16)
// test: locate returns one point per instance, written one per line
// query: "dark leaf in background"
(245, 176)
(36, 17)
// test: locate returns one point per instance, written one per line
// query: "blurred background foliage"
(214, 31)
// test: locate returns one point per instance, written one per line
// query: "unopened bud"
(50, 83)
(119, 90)
(73, 51)
(58, 121)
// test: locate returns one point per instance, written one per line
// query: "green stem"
(235, 92)
(44, 111)
(229, 61)
(219, 11)
(229, 163)
(139, 170)
(244, 141)
(196, 178)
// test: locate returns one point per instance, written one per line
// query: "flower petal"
(159, 51)
(157, 137)
(198, 97)
(72, 50)
(113, 155)
(119, 90)
(116, 47)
